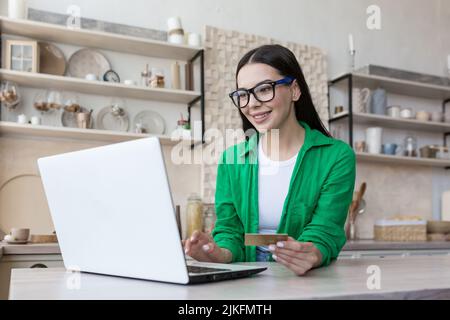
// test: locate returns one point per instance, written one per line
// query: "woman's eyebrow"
(261, 82)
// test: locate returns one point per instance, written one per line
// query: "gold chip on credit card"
(259, 239)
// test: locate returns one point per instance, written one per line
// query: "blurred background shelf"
(28, 130)
(39, 80)
(439, 163)
(395, 123)
(97, 39)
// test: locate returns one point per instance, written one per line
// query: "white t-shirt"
(274, 178)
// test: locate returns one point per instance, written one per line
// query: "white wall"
(414, 34)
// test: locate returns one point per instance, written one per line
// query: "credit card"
(260, 239)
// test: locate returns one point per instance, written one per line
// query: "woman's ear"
(296, 93)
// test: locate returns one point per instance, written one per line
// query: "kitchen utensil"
(393, 111)
(51, 59)
(110, 119)
(88, 61)
(423, 116)
(151, 122)
(374, 137)
(436, 226)
(378, 102)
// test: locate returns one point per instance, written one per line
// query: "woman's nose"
(253, 102)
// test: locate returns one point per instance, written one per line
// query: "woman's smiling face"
(272, 114)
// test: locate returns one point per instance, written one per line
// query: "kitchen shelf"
(396, 123)
(97, 39)
(364, 156)
(15, 129)
(397, 86)
(39, 80)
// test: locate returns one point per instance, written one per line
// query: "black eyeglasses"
(263, 92)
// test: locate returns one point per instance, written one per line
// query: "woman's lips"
(261, 117)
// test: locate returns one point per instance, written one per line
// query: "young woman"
(304, 189)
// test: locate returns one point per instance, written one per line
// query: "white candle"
(351, 45)
(17, 9)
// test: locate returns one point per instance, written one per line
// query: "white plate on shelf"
(151, 121)
(87, 61)
(106, 120)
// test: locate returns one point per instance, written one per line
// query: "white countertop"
(409, 277)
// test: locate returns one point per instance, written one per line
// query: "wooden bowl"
(434, 226)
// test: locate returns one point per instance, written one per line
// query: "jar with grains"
(194, 213)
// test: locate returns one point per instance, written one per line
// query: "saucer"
(17, 242)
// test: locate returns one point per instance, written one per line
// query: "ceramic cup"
(423, 116)
(437, 116)
(390, 149)
(393, 111)
(20, 234)
(91, 77)
(22, 119)
(406, 113)
(35, 120)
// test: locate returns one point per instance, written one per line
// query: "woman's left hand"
(300, 257)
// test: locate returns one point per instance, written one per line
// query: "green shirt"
(316, 205)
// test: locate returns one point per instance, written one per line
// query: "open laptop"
(113, 213)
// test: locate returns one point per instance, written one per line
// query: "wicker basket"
(391, 230)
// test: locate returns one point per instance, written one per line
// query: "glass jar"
(71, 102)
(410, 146)
(209, 220)
(194, 213)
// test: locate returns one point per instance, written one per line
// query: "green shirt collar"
(313, 138)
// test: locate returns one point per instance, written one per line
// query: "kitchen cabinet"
(9, 262)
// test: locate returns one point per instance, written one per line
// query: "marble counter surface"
(399, 278)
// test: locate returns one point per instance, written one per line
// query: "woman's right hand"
(201, 247)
